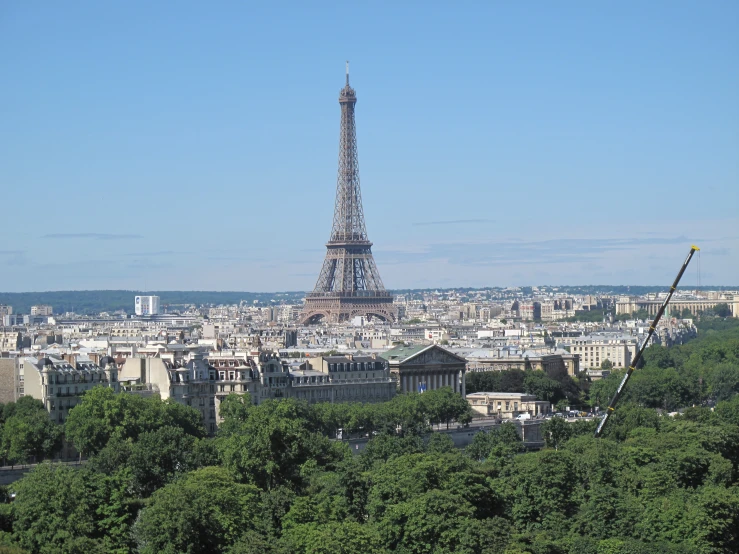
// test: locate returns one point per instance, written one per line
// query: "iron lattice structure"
(349, 283)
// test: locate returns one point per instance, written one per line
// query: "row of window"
(355, 366)
(57, 379)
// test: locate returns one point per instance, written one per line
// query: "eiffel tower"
(349, 284)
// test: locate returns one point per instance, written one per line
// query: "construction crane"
(635, 361)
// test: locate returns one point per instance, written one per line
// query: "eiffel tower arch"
(349, 284)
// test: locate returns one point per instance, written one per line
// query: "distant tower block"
(349, 284)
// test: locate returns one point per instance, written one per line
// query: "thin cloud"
(480, 253)
(94, 236)
(451, 222)
(154, 254)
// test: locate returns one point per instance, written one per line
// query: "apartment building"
(60, 383)
(549, 360)
(203, 380)
(595, 349)
(346, 378)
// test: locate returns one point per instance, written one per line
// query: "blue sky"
(193, 145)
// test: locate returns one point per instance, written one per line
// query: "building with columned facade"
(422, 368)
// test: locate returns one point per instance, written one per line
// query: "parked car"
(522, 417)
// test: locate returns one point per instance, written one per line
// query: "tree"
(512, 380)
(386, 446)
(724, 381)
(484, 381)
(234, 409)
(29, 433)
(444, 405)
(556, 432)
(440, 443)
(502, 442)
(728, 410)
(721, 310)
(541, 489)
(660, 388)
(154, 460)
(269, 448)
(345, 537)
(438, 518)
(202, 513)
(606, 364)
(103, 415)
(54, 507)
(542, 386)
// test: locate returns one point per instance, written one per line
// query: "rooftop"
(511, 395)
(402, 353)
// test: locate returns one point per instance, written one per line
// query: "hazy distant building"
(42, 310)
(147, 305)
(10, 340)
(12, 320)
(5, 310)
(629, 305)
(529, 311)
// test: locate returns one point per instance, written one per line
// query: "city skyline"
(500, 146)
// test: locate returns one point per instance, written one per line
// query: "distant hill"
(96, 301)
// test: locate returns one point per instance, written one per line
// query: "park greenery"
(275, 480)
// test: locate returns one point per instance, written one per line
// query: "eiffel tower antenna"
(349, 284)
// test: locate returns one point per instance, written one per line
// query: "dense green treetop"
(27, 432)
